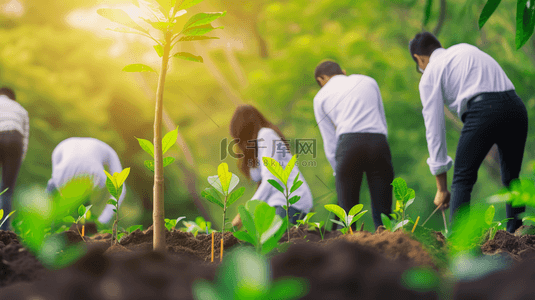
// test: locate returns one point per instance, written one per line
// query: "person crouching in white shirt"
(351, 118)
(256, 138)
(474, 86)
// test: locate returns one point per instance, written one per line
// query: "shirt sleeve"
(328, 133)
(114, 165)
(435, 128)
(266, 148)
(26, 135)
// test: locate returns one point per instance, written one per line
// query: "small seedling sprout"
(115, 187)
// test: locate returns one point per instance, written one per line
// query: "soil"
(519, 247)
(16, 263)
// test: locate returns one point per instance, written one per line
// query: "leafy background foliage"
(66, 70)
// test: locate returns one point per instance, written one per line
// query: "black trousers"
(10, 159)
(357, 153)
(494, 118)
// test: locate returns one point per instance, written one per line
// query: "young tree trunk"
(158, 201)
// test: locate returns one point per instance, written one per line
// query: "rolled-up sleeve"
(435, 128)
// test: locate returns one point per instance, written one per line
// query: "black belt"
(483, 96)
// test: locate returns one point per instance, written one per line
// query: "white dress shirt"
(452, 77)
(85, 156)
(14, 117)
(268, 146)
(348, 104)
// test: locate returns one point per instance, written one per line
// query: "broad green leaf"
(357, 217)
(274, 167)
(400, 224)
(147, 146)
(111, 178)
(203, 19)
(235, 196)
(211, 195)
(410, 195)
(273, 242)
(271, 229)
(296, 179)
(87, 208)
(187, 4)
(276, 184)
(248, 223)
(81, 210)
(355, 209)
(289, 167)
(524, 23)
(487, 11)
(252, 204)
(234, 180)
(69, 219)
(121, 177)
(489, 214)
(138, 68)
(119, 16)
(224, 177)
(162, 26)
(296, 186)
(159, 50)
(111, 187)
(199, 30)
(188, 56)
(400, 188)
(134, 228)
(427, 11)
(387, 223)
(167, 161)
(308, 216)
(294, 199)
(169, 140)
(216, 183)
(149, 164)
(263, 217)
(112, 202)
(197, 38)
(337, 210)
(244, 236)
(408, 203)
(337, 222)
(125, 30)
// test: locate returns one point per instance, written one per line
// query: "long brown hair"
(244, 126)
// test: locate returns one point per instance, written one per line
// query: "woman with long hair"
(257, 138)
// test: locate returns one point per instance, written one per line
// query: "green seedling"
(115, 187)
(168, 140)
(164, 17)
(283, 175)
(121, 232)
(82, 213)
(494, 226)
(404, 198)
(199, 225)
(264, 228)
(311, 225)
(347, 219)
(170, 224)
(2, 211)
(246, 276)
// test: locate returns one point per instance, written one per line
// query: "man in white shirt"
(351, 118)
(473, 85)
(14, 134)
(78, 156)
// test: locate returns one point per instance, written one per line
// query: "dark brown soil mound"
(302, 234)
(16, 263)
(518, 247)
(343, 270)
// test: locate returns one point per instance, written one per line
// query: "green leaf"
(387, 223)
(244, 236)
(134, 228)
(357, 217)
(165, 6)
(138, 68)
(147, 146)
(121, 177)
(296, 179)
(216, 183)
(289, 167)
(169, 139)
(263, 217)
(111, 178)
(203, 19)
(294, 199)
(188, 56)
(4, 191)
(234, 180)
(159, 49)
(276, 184)
(149, 164)
(197, 38)
(410, 195)
(200, 30)
(400, 224)
(274, 167)
(81, 210)
(489, 214)
(408, 203)
(211, 195)
(427, 12)
(69, 219)
(524, 23)
(273, 242)
(338, 222)
(112, 202)
(248, 223)
(288, 289)
(224, 177)
(235, 196)
(337, 210)
(272, 229)
(295, 186)
(1, 214)
(119, 16)
(355, 209)
(111, 187)
(167, 161)
(187, 4)
(400, 188)
(487, 11)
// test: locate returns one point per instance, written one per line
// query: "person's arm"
(443, 195)
(328, 133)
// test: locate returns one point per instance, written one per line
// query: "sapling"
(82, 213)
(311, 225)
(283, 175)
(222, 185)
(404, 198)
(170, 224)
(199, 225)
(346, 219)
(164, 18)
(494, 225)
(115, 187)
